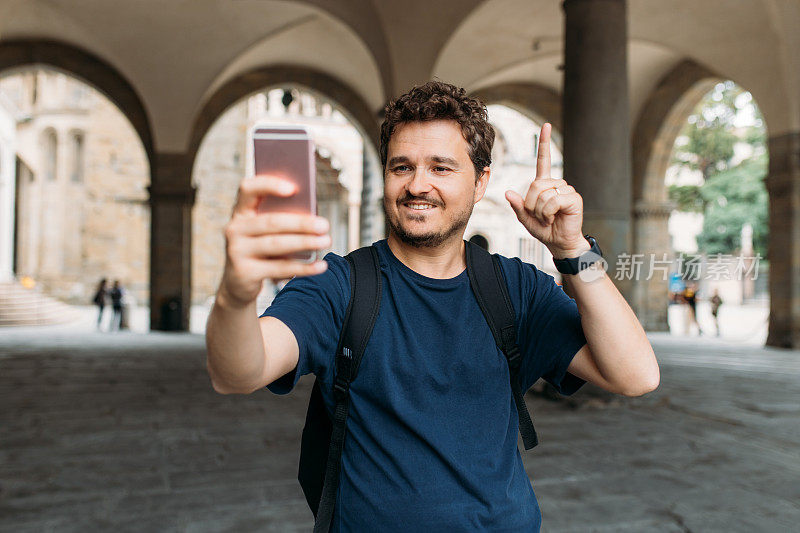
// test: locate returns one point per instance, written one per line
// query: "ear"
(480, 185)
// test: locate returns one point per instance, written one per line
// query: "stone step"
(28, 307)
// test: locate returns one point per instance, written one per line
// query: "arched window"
(49, 152)
(76, 155)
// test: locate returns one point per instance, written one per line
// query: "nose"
(419, 183)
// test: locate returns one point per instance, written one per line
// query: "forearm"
(236, 355)
(617, 341)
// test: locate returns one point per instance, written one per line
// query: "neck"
(440, 262)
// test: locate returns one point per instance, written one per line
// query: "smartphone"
(287, 152)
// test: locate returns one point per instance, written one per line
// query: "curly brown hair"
(437, 100)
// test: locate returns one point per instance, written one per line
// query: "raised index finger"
(543, 152)
(251, 190)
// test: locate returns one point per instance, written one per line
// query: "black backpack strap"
(365, 301)
(491, 291)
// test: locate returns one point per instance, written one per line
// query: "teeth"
(420, 207)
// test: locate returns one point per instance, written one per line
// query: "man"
(431, 441)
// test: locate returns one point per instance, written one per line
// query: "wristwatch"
(573, 265)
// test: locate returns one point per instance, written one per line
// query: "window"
(49, 153)
(76, 149)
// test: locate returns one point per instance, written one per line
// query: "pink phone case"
(287, 152)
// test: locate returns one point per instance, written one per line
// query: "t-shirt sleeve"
(550, 332)
(313, 309)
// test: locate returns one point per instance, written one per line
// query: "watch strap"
(573, 265)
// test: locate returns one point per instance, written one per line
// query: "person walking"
(716, 302)
(431, 438)
(690, 298)
(117, 294)
(99, 299)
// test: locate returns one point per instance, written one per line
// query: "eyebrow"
(436, 159)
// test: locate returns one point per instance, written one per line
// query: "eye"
(400, 168)
(441, 169)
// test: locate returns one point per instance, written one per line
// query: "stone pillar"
(8, 155)
(651, 296)
(171, 200)
(371, 216)
(783, 185)
(597, 150)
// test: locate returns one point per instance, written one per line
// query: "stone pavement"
(123, 432)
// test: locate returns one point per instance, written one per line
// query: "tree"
(709, 136)
(731, 194)
(735, 197)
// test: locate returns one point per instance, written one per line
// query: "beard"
(429, 239)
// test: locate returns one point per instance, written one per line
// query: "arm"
(246, 353)
(617, 356)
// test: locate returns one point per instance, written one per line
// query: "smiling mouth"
(418, 206)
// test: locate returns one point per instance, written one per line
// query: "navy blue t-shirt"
(431, 441)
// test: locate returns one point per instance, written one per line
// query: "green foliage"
(687, 198)
(708, 134)
(731, 196)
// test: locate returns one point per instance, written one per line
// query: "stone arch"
(659, 123)
(534, 101)
(256, 80)
(537, 102)
(350, 103)
(88, 68)
(662, 117)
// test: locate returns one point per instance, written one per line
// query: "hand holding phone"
(287, 152)
(272, 230)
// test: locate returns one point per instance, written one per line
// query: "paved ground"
(123, 432)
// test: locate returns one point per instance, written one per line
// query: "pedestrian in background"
(716, 301)
(99, 300)
(690, 297)
(116, 303)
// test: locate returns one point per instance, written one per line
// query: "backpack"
(323, 438)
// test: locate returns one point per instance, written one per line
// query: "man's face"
(429, 183)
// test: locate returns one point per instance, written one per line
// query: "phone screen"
(287, 152)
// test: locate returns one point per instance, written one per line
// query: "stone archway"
(250, 82)
(66, 60)
(657, 126)
(343, 98)
(367, 121)
(538, 102)
(88, 68)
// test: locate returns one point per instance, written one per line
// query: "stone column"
(371, 216)
(597, 150)
(171, 200)
(8, 154)
(783, 185)
(651, 296)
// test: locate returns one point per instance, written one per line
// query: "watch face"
(594, 244)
